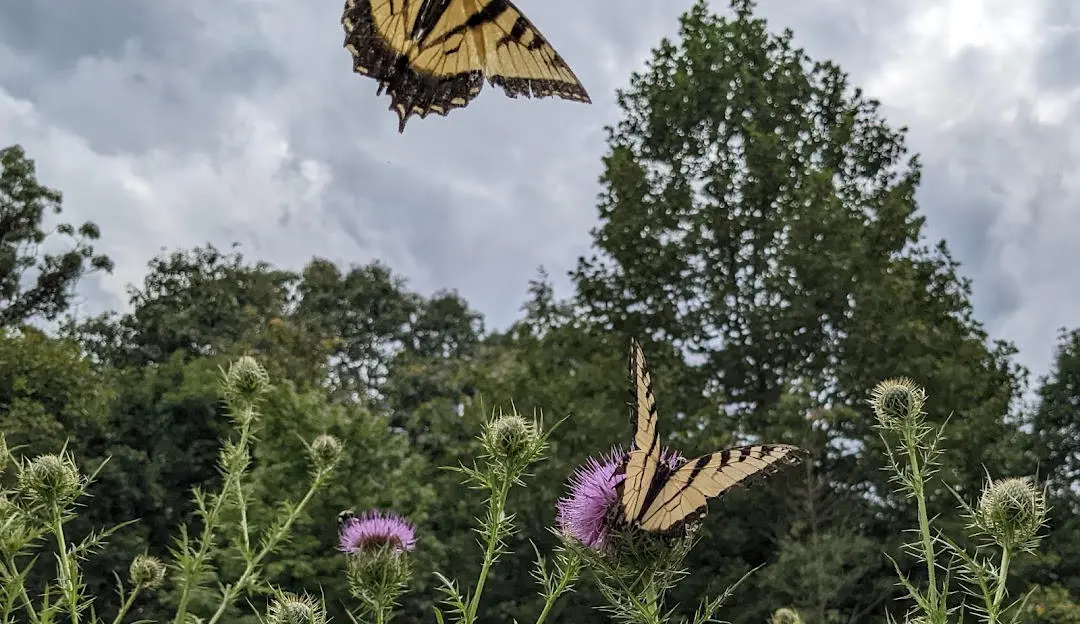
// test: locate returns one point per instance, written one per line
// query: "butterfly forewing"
(432, 56)
(644, 456)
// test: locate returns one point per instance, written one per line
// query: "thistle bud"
(146, 571)
(50, 480)
(325, 452)
(245, 383)
(5, 454)
(289, 608)
(786, 616)
(1011, 512)
(898, 403)
(510, 439)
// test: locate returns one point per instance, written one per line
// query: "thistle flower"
(374, 529)
(586, 512)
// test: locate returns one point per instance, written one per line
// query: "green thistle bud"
(898, 403)
(5, 455)
(786, 616)
(234, 457)
(50, 480)
(509, 438)
(245, 383)
(326, 451)
(288, 608)
(146, 571)
(1011, 512)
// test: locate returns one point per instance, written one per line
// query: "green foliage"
(33, 283)
(50, 395)
(43, 500)
(1050, 605)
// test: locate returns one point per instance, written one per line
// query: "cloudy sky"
(176, 122)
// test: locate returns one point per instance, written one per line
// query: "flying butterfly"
(659, 498)
(432, 56)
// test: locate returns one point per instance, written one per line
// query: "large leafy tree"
(1056, 424)
(35, 282)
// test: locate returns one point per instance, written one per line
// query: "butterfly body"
(432, 56)
(665, 496)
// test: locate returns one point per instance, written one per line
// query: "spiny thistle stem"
(1003, 575)
(233, 590)
(918, 485)
(67, 567)
(232, 479)
(497, 508)
(567, 575)
(129, 600)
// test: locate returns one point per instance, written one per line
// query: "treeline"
(758, 234)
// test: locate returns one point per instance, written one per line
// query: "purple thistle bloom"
(372, 529)
(585, 512)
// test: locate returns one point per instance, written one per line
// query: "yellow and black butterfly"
(661, 498)
(432, 56)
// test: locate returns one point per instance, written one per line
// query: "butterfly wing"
(432, 56)
(686, 492)
(644, 457)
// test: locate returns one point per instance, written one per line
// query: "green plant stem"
(565, 580)
(12, 575)
(67, 568)
(124, 608)
(497, 507)
(918, 485)
(233, 590)
(999, 593)
(209, 524)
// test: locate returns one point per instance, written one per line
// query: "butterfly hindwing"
(432, 56)
(686, 492)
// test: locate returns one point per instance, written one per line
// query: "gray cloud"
(172, 123)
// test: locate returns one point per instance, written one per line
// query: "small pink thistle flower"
(585, 512)
(373, 529)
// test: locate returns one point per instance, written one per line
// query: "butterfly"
(660, 498)
(432, 56)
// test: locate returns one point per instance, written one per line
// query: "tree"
(34, 283)
(50, 395)
(1056, 444)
